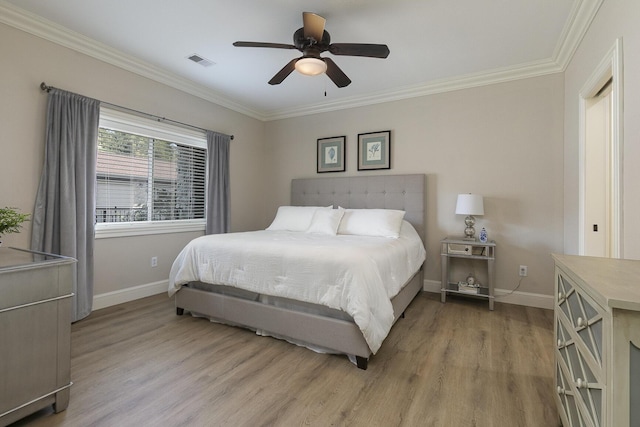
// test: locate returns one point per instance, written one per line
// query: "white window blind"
(148, 173)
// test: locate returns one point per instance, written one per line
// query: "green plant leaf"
(11, 220)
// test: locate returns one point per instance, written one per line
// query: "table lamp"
(470, 205)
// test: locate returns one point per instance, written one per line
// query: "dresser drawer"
(21, 286)
(585, 318)
(584, 382)
(569, 413)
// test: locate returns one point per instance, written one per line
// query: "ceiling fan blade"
(335, 73)
(261, 44)
(313, 25)
(282, 74)
(360, 49)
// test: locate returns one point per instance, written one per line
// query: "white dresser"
(597, 331)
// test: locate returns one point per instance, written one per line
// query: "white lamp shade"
(469, 204)
(311, 66)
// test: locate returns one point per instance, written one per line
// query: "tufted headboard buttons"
(404, 192)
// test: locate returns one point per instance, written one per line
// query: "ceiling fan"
(312, 39)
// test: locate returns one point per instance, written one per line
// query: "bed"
(325, 327)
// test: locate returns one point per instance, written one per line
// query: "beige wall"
(516, 143)
(616, 18)
(503, 141)
(120, 263)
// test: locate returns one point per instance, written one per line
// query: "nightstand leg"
(444, 278)
(491, 277)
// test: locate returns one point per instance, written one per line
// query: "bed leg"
(362, 362)
(402, 315)
(179, 311)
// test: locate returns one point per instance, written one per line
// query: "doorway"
(597, 197)
(601, 159)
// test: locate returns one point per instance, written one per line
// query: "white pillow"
(294, 218)
(372, 222)
(326, 221)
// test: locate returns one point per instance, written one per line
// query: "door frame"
(610, 67)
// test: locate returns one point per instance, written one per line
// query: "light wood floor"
(453, 364)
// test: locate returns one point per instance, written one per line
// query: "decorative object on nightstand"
(469, 286)
(474, 252)
(483, 236)
(469, 205)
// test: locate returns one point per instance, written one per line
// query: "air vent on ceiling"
(200, 60)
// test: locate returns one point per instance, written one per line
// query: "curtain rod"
(46, 88)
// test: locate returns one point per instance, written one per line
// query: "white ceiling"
(435, 45)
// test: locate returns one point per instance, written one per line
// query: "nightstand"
(452, 249)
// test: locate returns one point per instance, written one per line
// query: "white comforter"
(356, 274)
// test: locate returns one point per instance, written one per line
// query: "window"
(150, 177)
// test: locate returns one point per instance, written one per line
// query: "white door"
(597, 233)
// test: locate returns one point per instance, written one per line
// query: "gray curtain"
(64, 213)
(218, 210)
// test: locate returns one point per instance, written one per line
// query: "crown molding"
(581, 16)
(524, 71)
(50, 31)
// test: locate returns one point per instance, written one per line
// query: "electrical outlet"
(154, 261)
(523, 270)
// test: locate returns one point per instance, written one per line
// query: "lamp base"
(469, 232)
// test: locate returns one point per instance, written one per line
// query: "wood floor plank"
(453, 364)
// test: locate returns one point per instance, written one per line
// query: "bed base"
(404, 192)
(342, 336)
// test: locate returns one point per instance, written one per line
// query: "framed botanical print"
(331, 154)
(374, 150)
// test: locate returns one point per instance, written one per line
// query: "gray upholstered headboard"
(404, 192)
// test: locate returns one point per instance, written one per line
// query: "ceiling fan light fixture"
(312, 40)
(311, 66)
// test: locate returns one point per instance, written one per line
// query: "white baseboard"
(502, 295)
(142, 291)
(129, 294)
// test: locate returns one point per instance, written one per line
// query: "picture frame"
(331, 154)
(374, 150)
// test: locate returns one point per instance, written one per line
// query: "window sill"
(128, 229)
